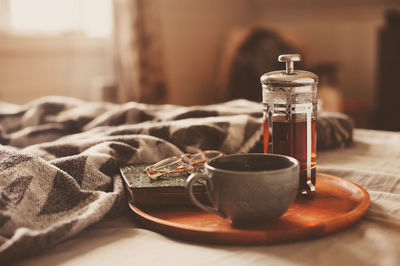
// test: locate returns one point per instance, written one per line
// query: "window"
(55, 47)
(91, 18)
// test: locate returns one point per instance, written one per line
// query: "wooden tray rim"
(173, 228)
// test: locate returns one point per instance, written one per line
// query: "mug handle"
(189, 189)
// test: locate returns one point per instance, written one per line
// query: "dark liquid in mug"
(290, 138)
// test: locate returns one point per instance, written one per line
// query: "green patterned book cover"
(168, 190)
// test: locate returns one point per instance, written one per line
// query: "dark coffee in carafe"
(290, 113)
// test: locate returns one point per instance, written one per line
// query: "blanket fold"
(60, 158)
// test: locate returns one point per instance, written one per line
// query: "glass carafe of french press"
(290, 114)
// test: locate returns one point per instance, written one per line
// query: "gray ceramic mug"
(248, 188)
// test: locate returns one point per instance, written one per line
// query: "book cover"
(168, 190)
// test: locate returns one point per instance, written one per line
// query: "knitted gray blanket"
(60, 158)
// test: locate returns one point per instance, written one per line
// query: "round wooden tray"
(337, 204)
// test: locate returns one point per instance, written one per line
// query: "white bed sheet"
(373, 162)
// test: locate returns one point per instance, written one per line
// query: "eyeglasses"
(185, 163)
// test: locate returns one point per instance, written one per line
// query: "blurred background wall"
(343, 33)
(195, 39)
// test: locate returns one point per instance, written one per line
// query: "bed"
(63, 200)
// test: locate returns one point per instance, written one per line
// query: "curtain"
(138, 52)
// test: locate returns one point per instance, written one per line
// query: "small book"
(168, 190)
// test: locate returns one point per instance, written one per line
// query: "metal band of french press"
(307, 109)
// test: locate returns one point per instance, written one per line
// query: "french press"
(290, 114)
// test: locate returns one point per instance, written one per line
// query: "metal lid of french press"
(289, 77)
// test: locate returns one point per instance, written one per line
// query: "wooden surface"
(337, 204)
